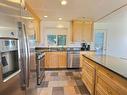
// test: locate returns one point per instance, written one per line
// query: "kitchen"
(58, 48)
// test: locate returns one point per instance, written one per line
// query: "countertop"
(114, 64)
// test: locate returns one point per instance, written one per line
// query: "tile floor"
(62, 82)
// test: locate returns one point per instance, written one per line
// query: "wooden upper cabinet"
(77, 28)
(82, 31)
(87, 34)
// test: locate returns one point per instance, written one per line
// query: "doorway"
(100, 40)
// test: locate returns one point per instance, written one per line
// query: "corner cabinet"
(82, 31)
(100, 80)
(55, 60)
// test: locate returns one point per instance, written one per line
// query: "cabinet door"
(51, 60)
(110, 83)
(88, 75)
(77, 28)
(87, 33)
(82, 31)
(62, 59)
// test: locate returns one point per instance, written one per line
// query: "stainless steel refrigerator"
(16, 76)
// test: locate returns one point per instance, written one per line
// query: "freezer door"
(28, 81)
(24, 56)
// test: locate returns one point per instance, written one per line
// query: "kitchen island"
(104, 74)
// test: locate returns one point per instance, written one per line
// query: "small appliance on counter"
(85, 47)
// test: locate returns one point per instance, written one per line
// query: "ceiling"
(75, 9)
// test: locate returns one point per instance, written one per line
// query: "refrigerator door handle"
(27, 52)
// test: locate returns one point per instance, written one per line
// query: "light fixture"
(29, 18)
(63, 2)
(60, 26)
(60, 18)
(45, 16)
(14, 1)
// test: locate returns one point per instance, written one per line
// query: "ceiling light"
(45, 16)
(60, 26)
(60, 18)
(30, 18)
(63, 2)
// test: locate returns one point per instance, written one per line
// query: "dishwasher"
(73, 58)
(40, 61)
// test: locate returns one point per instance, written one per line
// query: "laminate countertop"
(114, 64)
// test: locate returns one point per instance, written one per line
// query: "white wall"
(8, 24)
(57, 28)
(116, 26)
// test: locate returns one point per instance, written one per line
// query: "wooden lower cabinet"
(100, 80)
(88, 75)
(55, 60)
(51, 60)
(62, 59)
(109, 83)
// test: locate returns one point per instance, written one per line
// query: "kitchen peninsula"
(103, 74)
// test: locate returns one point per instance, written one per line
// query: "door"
(100, 40)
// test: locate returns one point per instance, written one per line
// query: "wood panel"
(87, 34)
(88, 74)
(82, 31)
(77, 28)
(110, 83)
(51, 60)
(55, 60)
(62, 59)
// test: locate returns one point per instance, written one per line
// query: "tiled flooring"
(62, 82)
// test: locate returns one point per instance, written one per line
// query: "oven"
(40, 71)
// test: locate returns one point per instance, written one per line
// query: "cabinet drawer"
(113, 84)
(87, 68)
(106, 88)
(88, 84)
(99, 91)
(90, 62)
